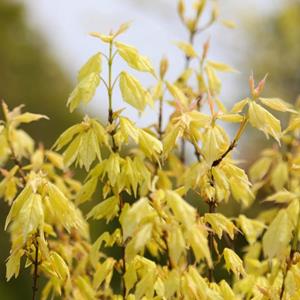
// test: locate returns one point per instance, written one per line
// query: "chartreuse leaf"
(187, 49)
(177, 93)
(260, 168)
(215, 142)
(130, 276)
(104, 38)
(251, 228)
(104, 272)
(261, 119)
(67, 136)
(28, 118)
(129, 129)
(177, 245)
(183, 212)
(58, 265)
(87, 137)
(226, 291)
(214, 82)
(281, 197)
(220, 223)
(142, 236)
(134, 59)
(277, 104)
(31, 215)
(13, 264)
(107, 209)
(221, 67)
(149, 144)
(239, 106)
(84, 91)
(233, 262)
(278, 235)
(93, 65)
(133, 93)
(145, 287)
(87, 190)
(198, 241)
(171, 137)
(18, 204)
(232, 118)
(123, 28)
(86, 290)
(61, 208)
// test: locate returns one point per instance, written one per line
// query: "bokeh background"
(43, 44)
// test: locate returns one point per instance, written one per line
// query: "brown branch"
(212, 208)
(232, 144)
(35, 271)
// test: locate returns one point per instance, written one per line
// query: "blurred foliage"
(274, 48)
(29, 75)
(277, 51)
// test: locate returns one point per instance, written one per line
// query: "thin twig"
(35, 271)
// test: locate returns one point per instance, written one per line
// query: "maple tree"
(169, 248)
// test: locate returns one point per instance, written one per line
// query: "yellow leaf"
(215, 143)
(198, 241)
(214, 82)
(138, 212)
(28, 118)
(93, 65)
(277, 104)
(260, 168)
(133, 92)
(62, 209)
(130, 276)
(134, 59)
(31, 215)
(281, 197)
(85, 288)
(187, 49)
(280, 175)
(231, 118)
(251, 228)
(226, 291)
(278, 235)
(171, 137)
(233, 262)
(59, 265)
(221, 67)
(103, 272)
(260, 118)
(149, 144)
(84, 91)
(123, 28)
(238, 107)
(108, 209)
(67, 136)
(13, 264)
(177, 94)
(128, 129)
(102, 37)
(184, 212)
(177, 245)
(142, 237)
(220, 223)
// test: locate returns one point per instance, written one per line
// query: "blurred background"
(44, 43)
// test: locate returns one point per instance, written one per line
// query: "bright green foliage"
(169, 248)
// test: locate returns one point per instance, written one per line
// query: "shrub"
(165, 247)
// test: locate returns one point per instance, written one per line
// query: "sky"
(65, 25)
